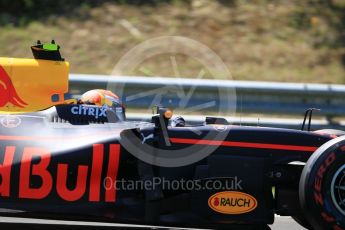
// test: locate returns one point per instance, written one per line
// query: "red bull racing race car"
(81, 159)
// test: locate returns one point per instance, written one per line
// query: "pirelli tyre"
(335, 132)
(322, 186)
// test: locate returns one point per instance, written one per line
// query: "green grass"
(289, 41)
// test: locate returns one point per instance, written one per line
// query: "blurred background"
(260, 40)
(301, 41)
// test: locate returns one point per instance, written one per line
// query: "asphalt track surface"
(13, 223)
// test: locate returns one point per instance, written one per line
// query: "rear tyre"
(335, 132)
(322, 186)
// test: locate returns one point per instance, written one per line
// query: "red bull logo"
(89, 177)
(8, 93)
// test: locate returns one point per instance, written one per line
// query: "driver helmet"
(104, 98)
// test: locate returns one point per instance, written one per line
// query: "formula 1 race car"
(81, 159)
